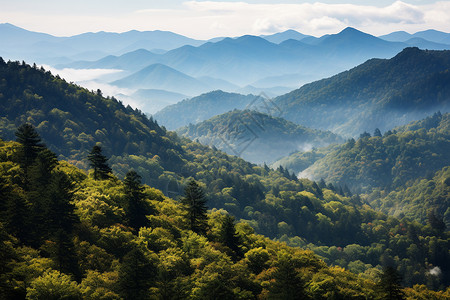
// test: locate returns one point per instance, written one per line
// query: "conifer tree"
(31, 143)
(136, 207)
(195, 201)
(228, 235)
(389, 288)
(99, 163)
(136, 275)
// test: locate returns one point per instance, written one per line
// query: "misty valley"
(151, 165)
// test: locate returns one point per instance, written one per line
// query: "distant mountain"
(280, 37)
(381, 93)
(159, 76)
(131, 61)
(201, 108)
(429, 35)
(247, 59)
(37, 46)
(255, 136)
(425, 44)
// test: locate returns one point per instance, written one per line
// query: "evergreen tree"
(31, 143)
(136, 207)
(229, 237)
(389, 288)
(377, 132)
(99, 163)
(195, 201)
(288, 284)
(136, 275)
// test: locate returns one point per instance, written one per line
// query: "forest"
(68, 225)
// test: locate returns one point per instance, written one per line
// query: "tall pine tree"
(389, 288)
(195, 202)
(136, 208)
(98, 162)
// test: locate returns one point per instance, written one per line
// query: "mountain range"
(380, 93)
(273, 64)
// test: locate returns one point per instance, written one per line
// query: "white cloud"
(206, 19)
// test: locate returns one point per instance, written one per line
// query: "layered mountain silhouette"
(380, 93)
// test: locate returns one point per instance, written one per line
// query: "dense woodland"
(256, 137)
(99, 240)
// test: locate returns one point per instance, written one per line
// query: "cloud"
(206, 19)
(77, 75)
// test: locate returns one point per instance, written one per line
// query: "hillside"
(256, 137)
(90, 247)
(329, 220)
(200, 108)
(388, 161)
(381, 93)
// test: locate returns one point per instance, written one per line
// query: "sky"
(207, 19)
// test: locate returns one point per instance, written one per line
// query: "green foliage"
(195, 203)
(53, 286)
(98, 161)
(389, 285)
(388, 162)
(338, 227)
(136, 208)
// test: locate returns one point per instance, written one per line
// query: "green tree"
(389, 288)
(288, 284)
(229, 237)
(31, 143)
(53, 286)
(195, 201)
(136, 207)
(136, 275)
(99, 163)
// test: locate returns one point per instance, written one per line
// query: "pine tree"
(136, 207)
(136, 274)
(229, 237)
(99, 163)
(195, 201)
(31, 143)
(389, 288)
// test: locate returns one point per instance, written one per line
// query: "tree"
(288, 284)
(136, 275)
(377, 132)
(229, 237)
(195, 201)
(136, 207)
(389, 288)
(98, 162)
(54, 285)
(31, 143)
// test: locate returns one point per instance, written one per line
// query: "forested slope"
(273, 202)
(255, 136)
(380, 93)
